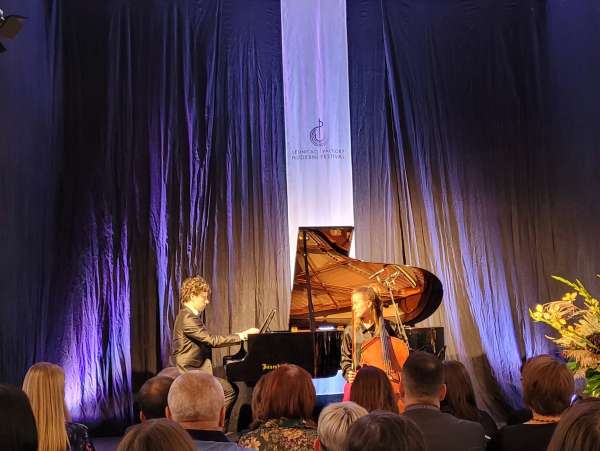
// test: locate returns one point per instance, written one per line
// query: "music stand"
(267, 322)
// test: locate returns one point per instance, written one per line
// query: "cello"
(384, 352)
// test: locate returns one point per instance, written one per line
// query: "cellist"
(367, 326)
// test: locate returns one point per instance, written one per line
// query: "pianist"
(363, 300)
(192, 343)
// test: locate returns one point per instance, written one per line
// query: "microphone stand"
(387, 282)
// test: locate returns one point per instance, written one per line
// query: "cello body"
(389, 359)
(382, 351)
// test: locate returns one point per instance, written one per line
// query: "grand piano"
(324, 278)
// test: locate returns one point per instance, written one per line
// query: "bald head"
(196, 396)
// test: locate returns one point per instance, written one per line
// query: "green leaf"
(592, 390)
(592, 375)
(592, 386)
(581, 289)
(566, 282)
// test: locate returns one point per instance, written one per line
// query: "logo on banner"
(315, 135)
(322, 151)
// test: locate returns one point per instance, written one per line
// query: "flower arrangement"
(579, 330)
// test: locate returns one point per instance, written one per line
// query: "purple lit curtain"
(172, 165)
(195, 124)
(476, 157)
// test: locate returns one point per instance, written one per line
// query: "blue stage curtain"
(475, 156)
(172, 165)
(30, 155)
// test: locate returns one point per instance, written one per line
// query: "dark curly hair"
(193, 286)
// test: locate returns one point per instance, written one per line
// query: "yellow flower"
(539, 308)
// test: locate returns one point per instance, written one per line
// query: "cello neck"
(386, 346)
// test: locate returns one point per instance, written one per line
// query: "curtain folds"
(454, 107)
(194, 142)
(30, 155)
(172, 165)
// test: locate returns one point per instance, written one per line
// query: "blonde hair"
(44, 385)
(367, 291)
(376, 306)
(334, 422)
(160, 434)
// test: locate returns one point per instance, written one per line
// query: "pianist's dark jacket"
(192, 343)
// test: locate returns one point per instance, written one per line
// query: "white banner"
(317, 115)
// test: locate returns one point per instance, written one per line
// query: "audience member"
(372, 390)
(44, 385)
(282, 410)
(547, 389)
(157, 435)
(522, 414)
(384, 431)
(422, 389)
(334, 422)
(578, 428)
(152, 397)
(197, 402)
(460, 397)
(17, 423)
(172, 372)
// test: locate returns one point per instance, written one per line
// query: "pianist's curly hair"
(193, 286)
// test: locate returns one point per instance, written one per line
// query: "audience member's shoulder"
(522, 436)
(470, 425)
(487, 422)
(76, 427)
(280, 434)
(459, 422)
(78, 437)
(514, 428)
(465, 428)
(220, 446)
(419, 410)
(439, 417)
(526, 428)
(519, 416)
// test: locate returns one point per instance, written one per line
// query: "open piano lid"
(334, 275)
